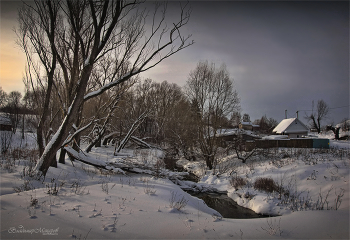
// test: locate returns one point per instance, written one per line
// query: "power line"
(340, 107)
(329, 108)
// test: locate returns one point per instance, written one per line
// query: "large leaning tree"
(213, 98)
(67, 41)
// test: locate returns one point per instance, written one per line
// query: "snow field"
(85, 203)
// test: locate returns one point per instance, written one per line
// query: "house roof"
(290, 125)
(235, 131)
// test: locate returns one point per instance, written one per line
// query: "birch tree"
(65, 41)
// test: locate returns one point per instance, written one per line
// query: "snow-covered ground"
(78, 201)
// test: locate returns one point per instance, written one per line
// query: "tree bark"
(57, 140)
(54, 162)
(62, 156)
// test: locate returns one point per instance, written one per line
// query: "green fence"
(292, 143)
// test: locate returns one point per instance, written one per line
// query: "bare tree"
(335, 130)
(3, 97)
(266, 125)
(181, 130)
(73, 38)
(211, 92)
(345, 124)
(235, 119)
(38, 26)
(321, 112)
(13, 108)
(132, 129)
(242, 153)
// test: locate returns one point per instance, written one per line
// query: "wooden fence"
(289, 143)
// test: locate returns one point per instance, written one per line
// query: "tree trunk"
(336, 133)
(23, 126)
(76, 142)
(133, 128)
(52, 147)
(209, 162)
(96, 142)
(62, 156)
(54, 162)
(57, 140)
(40, 139)
(335, 130)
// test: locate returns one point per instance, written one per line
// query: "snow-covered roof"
(235, 131)
(290, 125)
(226, 132)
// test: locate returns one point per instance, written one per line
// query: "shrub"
(237, 182)
(8, 164)
(149, 189)
(158, 166)
(177, 203)
(265, 184)
(5, 140)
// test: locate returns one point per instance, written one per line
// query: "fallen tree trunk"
(110, 166)
(82, 157)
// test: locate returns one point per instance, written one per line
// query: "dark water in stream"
(226, 206)
(218, 201)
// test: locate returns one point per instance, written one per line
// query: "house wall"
(245, 126)
(297, 135)
(296, 127)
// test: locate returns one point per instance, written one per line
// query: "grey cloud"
(282, 55)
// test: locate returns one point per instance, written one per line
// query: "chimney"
(297, 114)
(286, 113)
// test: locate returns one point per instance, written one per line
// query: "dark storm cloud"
(282, 55)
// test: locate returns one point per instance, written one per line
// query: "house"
(292, 127)
(248, 126)
(5, 123)
(230, 135)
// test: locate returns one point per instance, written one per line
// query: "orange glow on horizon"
(12, 60)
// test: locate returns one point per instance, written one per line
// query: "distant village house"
(5, 123)
(249, 126)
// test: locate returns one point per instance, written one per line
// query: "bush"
(237, 182)
(177, 203)
(5, 140)
(265, 184)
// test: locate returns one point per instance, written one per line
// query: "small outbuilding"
(5, 123)
(249, 126)
(292, 127)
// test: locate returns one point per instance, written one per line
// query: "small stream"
(225, 205)
(218, 201)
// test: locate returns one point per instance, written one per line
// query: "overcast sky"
(281, 55)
